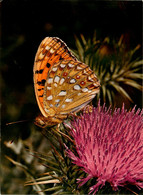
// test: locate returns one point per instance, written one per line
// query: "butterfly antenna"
(22, 121)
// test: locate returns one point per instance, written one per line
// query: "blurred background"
(24, 24)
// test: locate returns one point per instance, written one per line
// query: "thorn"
(22, 121)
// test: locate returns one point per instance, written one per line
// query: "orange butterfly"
(63, 85)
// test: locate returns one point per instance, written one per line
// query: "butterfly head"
(43, 122)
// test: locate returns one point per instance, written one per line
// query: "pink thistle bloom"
(109, 147)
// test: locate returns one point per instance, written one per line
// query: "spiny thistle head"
(109, 147)
(116, 66)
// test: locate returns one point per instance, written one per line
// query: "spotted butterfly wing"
(63, 84)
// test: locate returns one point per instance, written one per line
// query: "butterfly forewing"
(62, 83)
(50, 51)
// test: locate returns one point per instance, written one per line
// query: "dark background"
(24, 23)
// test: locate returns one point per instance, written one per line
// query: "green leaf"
(134, 84)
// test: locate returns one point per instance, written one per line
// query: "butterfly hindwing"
(70, 86)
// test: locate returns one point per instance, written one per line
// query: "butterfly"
(63, 85)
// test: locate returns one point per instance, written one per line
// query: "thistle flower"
(109, 147)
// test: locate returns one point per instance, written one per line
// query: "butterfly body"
(63, 85)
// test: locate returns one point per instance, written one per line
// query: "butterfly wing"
(69, 87)
(51, 51)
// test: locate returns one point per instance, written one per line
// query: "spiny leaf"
(53, 188)
(37, 187)
(80, 49)
(43, 182)
(135, 75)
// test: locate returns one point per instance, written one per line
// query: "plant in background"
(61, 176)
(116, 67)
